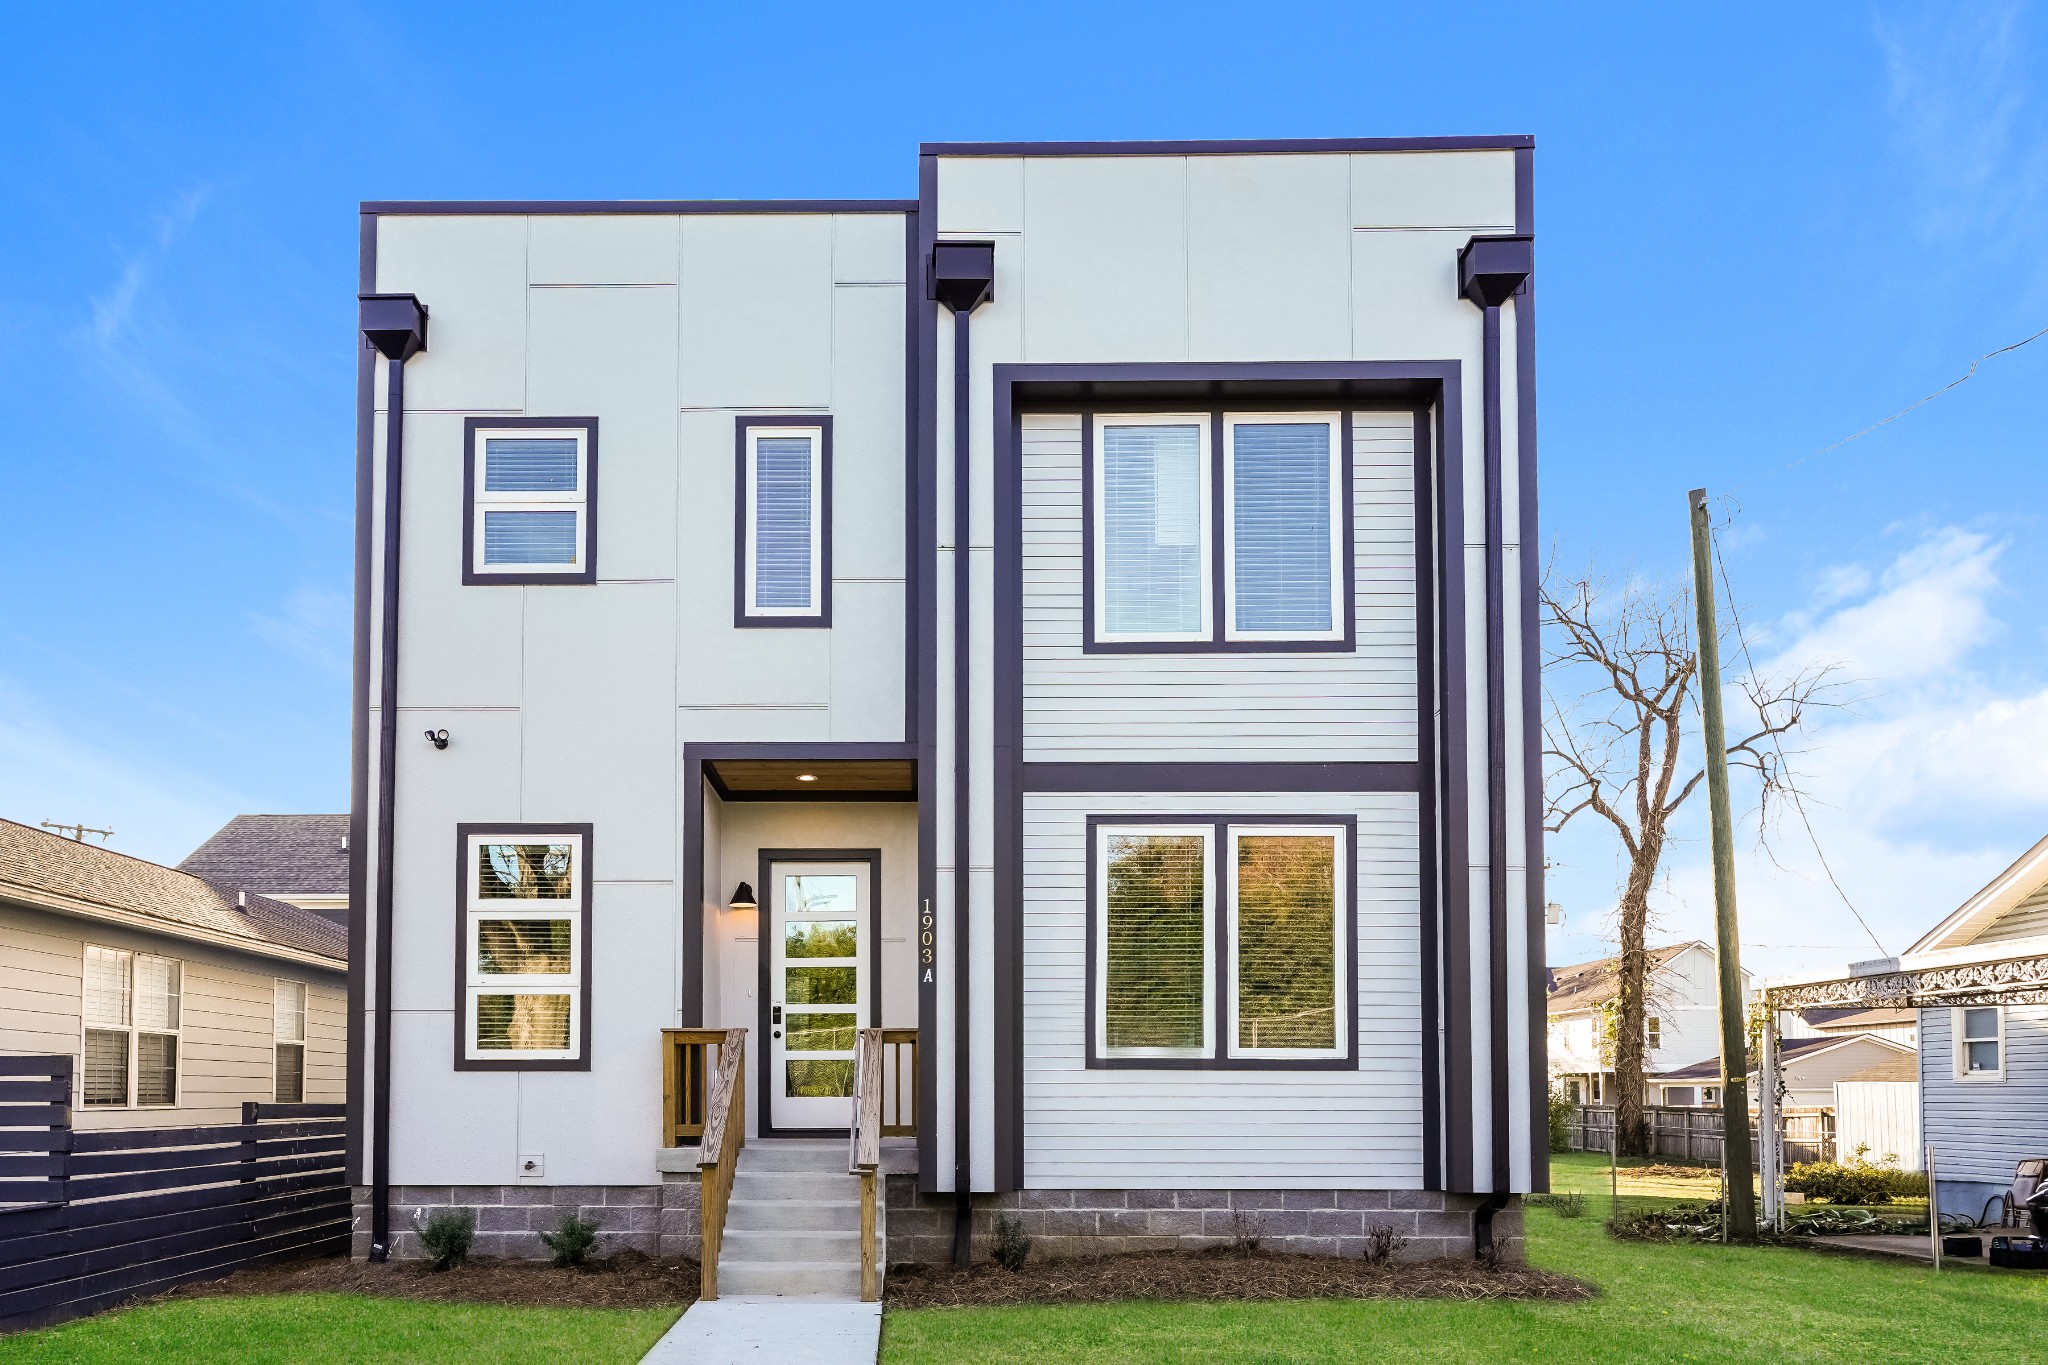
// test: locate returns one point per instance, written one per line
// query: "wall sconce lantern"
(742, 898)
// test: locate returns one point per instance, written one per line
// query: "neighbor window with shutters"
(1220, 943)
(288, 1041)
(784, 532)
(1217, 531)
(532, 501)
(524, 926)
(132, 1017)
(1980, 1043)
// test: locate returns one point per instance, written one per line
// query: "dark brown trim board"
(1232, 147)
(924, 313)
(359, 714)
(1531, 665)
(1437, 776)
(582, 577)
(1219, 922)
(463, 833)
(764, 892)
(822, 524)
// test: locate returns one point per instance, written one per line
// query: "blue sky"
(1761, 229)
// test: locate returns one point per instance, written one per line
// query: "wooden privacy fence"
(90, 1219)
(1694, 1135)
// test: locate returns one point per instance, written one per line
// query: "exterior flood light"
(742, 898)
(807, 777)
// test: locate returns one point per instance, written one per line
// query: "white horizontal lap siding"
(2028, 918)
(1980, 1130)
(1220, 707)
(1137, 1129)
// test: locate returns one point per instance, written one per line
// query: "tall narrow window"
(1153, 942)
(1151, 509)
(1980, 1043)
(1653, 1033)
(785, 513)
(288, 1041)
(530, 489)
(523, 940)
(1286, 936)
(133, 1015)
(1282, 534)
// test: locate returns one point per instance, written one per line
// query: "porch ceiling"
(813, 780)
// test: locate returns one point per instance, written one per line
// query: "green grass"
(1658, 1302)
(313, 1329)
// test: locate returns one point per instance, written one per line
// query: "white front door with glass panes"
(819, 989)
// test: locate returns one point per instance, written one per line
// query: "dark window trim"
(766, 892)
(581, 1061)
(1347, 950)
(1218, 568)
(820, 619)
(471, 576)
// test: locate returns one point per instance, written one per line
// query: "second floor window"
(1654, 1033)
(133, 1007)
(1193, 549)
(785, 537)
(531, 492)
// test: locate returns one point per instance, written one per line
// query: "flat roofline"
(1230, 147)
(394, 207)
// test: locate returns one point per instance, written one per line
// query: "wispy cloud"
(113, 311)
(312, 625)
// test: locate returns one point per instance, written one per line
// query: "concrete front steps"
(792, 1226)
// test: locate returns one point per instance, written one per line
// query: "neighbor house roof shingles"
(1586, 985)
(280, 855)
(39, 868)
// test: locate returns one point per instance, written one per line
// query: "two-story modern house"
(1076, 620)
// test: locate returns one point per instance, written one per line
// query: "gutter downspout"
(963, 275)
(396, 324)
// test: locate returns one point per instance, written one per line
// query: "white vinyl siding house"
(1108, 556)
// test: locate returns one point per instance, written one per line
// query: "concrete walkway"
(772, 1330)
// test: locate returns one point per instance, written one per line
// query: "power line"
(1953, 383)
(1792, 789)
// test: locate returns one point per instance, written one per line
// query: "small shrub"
(1856, 1181)
(1382, 1243)
(1247, 1230)
(447, 1236)
(1011, 1247)
(1564, 1205)
(572, 1241)
(1562, 1112)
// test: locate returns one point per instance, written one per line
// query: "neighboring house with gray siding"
(178, 1000)
(1083, 615)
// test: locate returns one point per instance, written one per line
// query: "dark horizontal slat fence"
(89, 1220)
(1693, 1135)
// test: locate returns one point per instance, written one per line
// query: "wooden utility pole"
(1740, 1210)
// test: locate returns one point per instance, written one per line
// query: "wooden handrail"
(688, 1059)
(725, 1132)
(864, 1152)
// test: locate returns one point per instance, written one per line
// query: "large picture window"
(133, 1012)
(531, 485)
(1220, 942)
(525, 923)
(1218, 531)
(783, 535)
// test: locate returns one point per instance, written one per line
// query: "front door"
(819, 989)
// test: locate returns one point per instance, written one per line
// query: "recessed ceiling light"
(807, 777)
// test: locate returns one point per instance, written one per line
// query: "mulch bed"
(1219, 1275)
(625, 1280)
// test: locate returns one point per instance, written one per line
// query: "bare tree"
(1615, 747)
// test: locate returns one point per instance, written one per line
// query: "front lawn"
(345, 1329)
(1658, 1302)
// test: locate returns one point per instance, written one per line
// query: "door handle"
(775, 1015)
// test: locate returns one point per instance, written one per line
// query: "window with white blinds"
(783, 563)
(288, 1041)
(1282, 536)
(133, 1016)
(530, 490)
(1152, 528)
(523, 928)
(1226, 929)
(1275, 490)
(1153, 942)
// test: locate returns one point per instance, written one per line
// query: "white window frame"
(1340, 977)
(133, 1028)
(1205, 519)
(1653, 1033)
(1335, 422)
(278, 984)
(1710, 1095)
(816, 435)
(477, 984)
(1105, 832)
(1961, 1045)
(484, 502)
